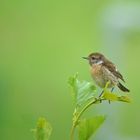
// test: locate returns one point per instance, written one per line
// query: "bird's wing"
(112, 68)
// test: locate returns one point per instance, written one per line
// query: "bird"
(103, 71)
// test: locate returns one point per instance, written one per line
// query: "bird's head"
(95, 58)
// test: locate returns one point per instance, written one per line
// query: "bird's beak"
(87, 58)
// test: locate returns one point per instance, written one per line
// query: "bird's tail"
(123, 88)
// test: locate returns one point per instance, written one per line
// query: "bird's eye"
(93, 57)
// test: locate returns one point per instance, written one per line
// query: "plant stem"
(80, 114)
(72, 132)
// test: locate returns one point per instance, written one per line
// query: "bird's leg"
(112, 89)
(101, 95)
(111, 92)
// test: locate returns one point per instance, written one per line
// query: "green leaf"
(87, 127)
(124, 99)
(82, 91)
(43, 129)
(113, 97)
(110, 96)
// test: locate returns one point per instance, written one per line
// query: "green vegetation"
(43, 130)
(84, 96)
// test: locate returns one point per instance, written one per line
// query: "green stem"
(80, 114)
(72, 133)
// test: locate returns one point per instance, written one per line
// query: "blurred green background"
(41, 45)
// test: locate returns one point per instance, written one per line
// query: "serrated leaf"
(43, 129)
(87, 127)
(82, 91)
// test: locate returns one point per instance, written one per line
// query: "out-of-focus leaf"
(43, 129)
(124, 99)
(113, 97)
(87, 127)
(82, 91)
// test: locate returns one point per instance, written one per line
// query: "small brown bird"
(103, 70)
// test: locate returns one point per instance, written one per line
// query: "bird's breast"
(100, 76)
(96, 73)
(96, 70)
